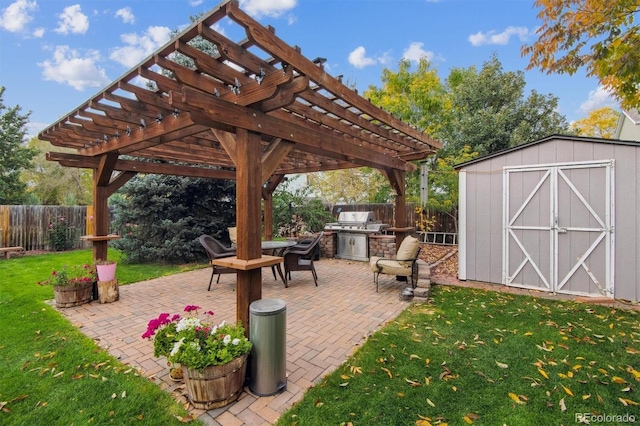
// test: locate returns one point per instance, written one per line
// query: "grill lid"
(356, 217)
(357, 221)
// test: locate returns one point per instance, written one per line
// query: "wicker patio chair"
(300, 258)
(216, 250)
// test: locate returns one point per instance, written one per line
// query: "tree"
(443, 183)
(600, 123)
(416, 97)
(292, 203)
(52, 184)
(161, 217)
(489, 112)
(14, 155)
(347, 185)
(599, 35)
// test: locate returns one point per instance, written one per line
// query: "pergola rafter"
(253, 110)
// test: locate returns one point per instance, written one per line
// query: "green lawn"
(50, 373)
(486, 358)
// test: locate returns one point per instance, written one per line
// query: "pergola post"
(248, 221)
(401, 208)
(101, 218)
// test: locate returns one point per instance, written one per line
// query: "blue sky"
(56, 54)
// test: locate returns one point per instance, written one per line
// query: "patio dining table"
(276, 248)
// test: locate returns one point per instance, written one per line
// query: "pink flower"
(156, 323)
(190, 308)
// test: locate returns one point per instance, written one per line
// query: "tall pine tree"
(161, 217)
(14, 154)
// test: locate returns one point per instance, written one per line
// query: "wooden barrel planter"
(215, 386)
(67, 296)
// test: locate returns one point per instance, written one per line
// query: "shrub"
(62, 235)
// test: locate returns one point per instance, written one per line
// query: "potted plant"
(72, 286)
(213, 357)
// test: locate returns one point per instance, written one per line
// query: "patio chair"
(216, 250)
(404, 265)
(300, 258)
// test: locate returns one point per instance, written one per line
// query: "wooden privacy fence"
(28, 226)
(384, 213)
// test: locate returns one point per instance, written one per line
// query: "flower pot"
(175, 372)
(215, 386)
(106, 272)
(67, 296)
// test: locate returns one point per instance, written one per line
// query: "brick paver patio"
(325, 324)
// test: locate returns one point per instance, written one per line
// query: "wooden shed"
(561, 214)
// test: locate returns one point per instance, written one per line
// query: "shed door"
(558, 228)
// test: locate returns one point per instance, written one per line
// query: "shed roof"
(544, 140)
(185, 118)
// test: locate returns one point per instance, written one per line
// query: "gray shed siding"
(482, 200)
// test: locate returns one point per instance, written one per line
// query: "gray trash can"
(268, 333)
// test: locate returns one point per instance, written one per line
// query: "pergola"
(253, 110)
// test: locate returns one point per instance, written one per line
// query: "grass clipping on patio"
(473, 356)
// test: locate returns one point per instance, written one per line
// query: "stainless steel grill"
(353, 229)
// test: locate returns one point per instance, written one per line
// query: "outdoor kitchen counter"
(406, 230)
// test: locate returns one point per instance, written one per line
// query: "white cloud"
(139, 47)
(38, 32)
(72, 20)
(15, 17)
(69, 67)
(385, 58)
(358, 58)
(491, 37)
(415, 52)
(598, 98)
(272, 8)
(126, 14)
(195, 2)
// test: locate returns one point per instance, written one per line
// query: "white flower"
(227, 339)
(235, 342)
(176, 346)
(214, 329)
(195, 345)
(187, 323)
(222, 323)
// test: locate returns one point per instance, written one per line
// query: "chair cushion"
(408, 250)
(389, 266)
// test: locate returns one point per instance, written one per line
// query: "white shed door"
(558, 228)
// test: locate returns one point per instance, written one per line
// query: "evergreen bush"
(161, 217)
